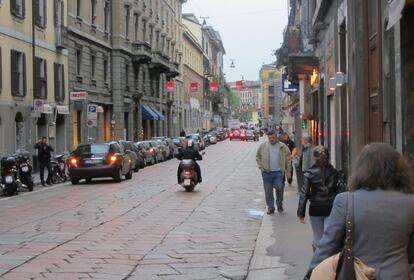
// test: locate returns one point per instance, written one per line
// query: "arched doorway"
(19, 132)
(60, 134)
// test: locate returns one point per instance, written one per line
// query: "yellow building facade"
(33, 78)
(271, 104)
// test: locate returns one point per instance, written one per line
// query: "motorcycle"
(58, 166)
(24, 168)
(188, 176)
(10, 182)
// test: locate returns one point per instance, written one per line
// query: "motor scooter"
(24, 168)
(10, 182)
(58, 166)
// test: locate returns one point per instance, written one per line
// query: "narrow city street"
(146, 228)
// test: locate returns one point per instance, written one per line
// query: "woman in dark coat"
(320, 186)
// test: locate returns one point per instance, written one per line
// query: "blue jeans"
(319, 225)
(273, 180)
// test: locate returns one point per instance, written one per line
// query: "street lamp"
(232, 63)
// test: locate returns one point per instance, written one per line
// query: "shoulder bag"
(344, 265)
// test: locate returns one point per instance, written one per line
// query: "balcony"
(61, 34)
(160, 62)
(142, 52)
(174, 70)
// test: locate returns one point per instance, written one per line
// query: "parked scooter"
(58, 165)
(10, 182)
(24, 168)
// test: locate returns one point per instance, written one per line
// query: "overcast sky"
(251, 31)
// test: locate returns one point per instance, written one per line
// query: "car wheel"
(118, 176)
(74, 180)
(128, 176)
(136, 167)
(88, 180)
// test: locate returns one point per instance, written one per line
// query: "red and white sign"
(78, 95)
(239, 85)
(193, 87)
(170, 87)
(214, 87)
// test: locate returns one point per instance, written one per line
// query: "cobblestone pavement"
(146, 228)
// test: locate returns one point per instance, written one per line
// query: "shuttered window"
(18, 73)
(40, 13)
(18, 8)
(40, 69)
(59, 78)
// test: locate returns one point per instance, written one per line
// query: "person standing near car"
(293, 151)
(274, 160)
(44, 155)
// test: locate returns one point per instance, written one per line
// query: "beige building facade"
(34, 75)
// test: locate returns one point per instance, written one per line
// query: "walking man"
(293, 151)
(44, 154)
(305, 159)
(274, 160)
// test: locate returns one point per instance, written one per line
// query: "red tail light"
(113, 159)
(152, 150)
(73, 162)
(242, 135)
(187, 172)
(231, 134)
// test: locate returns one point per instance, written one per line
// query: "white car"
(212, 139)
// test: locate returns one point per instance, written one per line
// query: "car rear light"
(231, 134)
(187, 172)
(74, 162)
(113, 159)
(242, 135)
(152, 150)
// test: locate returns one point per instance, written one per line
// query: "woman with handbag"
(372, 226)
(320, 186)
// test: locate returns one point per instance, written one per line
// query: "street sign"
(170, 87)
(78, 95)
(193, 87)
(38, 105)
(214, 87)
(92, 115)
(62, 110)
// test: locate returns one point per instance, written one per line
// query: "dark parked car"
(129, 151)
(99, 160)
(251, 135)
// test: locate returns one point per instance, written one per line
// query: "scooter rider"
(189, 153)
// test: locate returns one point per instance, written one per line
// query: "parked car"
(129, 151)
(198, 141)
(179, 142)
(212, 137)
(155, 150)
(99, 160)
(144, 148)
(172, 146)
(165, 150)
(221, 134)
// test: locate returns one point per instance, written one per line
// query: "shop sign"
(193, 87)
(239, 85)
(78, 95)
(63, 110)
(214, 87)
(288, 86)
(170, 87)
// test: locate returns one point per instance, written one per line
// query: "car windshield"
(176, 141)
(92, 149)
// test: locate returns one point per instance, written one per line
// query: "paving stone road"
(145, 228)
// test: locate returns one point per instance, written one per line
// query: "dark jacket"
(44, 152)
(321, 194)
(189, 153)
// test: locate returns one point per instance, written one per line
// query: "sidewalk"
(283, 245)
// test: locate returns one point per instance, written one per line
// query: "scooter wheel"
(189, 188)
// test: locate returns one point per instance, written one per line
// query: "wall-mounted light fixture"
(332, 84)
(340, 79)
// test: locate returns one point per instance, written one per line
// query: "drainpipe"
(34, 81)
(111, 69)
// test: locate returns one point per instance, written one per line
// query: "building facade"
(122, 55)
(352, 61)
(270, 76)
(34, 75)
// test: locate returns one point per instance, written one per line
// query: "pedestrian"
(274, 160)
(305, 160)
(182, 133)
(293, 151)
(320, 186)
(382, 191)
(44, 155)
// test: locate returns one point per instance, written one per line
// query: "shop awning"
(160, 115)
(148, 114)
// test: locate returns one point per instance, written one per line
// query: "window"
(40, 91)
(40, 13)
(144, 31)
(59, 78)
(127, 17)
(136, 27)
(78, 62)
(106, 15)
(18, 73)
(105, 70)
(93, 12)
(78, 7)
(93, 66)
(18, 8)
(127, 76)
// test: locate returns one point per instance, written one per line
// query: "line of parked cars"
(117, 159)
(216, 135)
